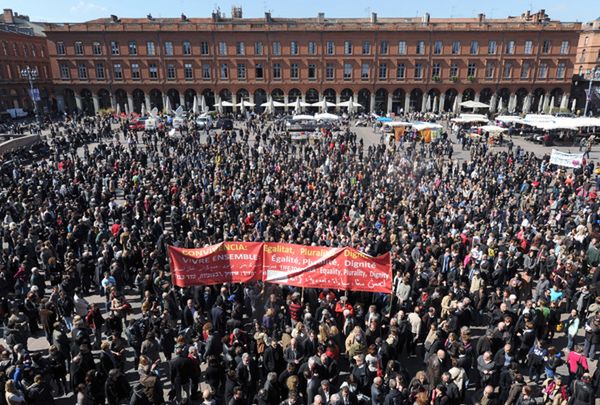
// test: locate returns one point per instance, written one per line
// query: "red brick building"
(22, 44)
(386, 65)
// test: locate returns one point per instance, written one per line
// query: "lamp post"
(31, 74)
(593, 75)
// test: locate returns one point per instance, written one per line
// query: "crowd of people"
(494, 256)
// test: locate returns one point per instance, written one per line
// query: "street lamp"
(31, 74)
(593, 75)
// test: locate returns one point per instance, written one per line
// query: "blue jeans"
(589, 349)
(570, 342)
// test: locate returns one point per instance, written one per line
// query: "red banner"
(281, 263)
(322, 267)
(226, 262)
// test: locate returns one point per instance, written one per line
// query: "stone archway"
(293, 95)
(104, 99)
(330, 95)
(449, 98)
(188, 97)
(156, 100)
(174, 100)
(364, 99)
(70, 103)
(398, 97)
(538, 95)
(416, 100)
(556, 94)
(381, 101)
(468, 95)
(209, 98)
(432, 102)
(486, 95)
(521, 96)
(260, 97)
(87, 102)
(278, 95)
(346, 94)
(139, 99)
(121, 100)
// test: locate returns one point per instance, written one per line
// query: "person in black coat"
(181, 373)
(214, 374)
(213, 346)
(40, 392)
(218, 316)
(273, 357)
(247, 373)
(187, 320)
(582, 391)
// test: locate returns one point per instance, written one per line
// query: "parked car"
(204, 122)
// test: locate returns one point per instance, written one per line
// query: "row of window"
(311, 48)
(13, 72)
(26, 50)
(294, 71)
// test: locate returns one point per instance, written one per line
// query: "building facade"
(385, 65)
(22, 44)
(586, 60)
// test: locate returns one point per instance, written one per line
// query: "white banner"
(572, 160)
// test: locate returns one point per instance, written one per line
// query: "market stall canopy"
(320, 104)
(398, 124)
(384, 119)
(350, 103)
(420, 126)
(474, 104)
(493, 129)
(509, 119)
(301, 117)
(224, 103)
(465, 118)
(327, 117)
(244, 103)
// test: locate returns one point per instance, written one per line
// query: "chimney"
(268, 16)
(373, 18)
(114, 18)
(426, 18)
(481, 17)
(236, 12)
(321, 17)
(8, 16)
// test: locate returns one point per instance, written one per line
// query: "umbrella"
(195, 105)
(219, 105)
(324, 105)
(168, 106)
(242, 105)
(547, 103)
(527, 104)
(541, 103)
(500, 104)
(203, 106)
(573, 105)
(474, 104)
(428, 105)
(143, 111)
(118, 109)
(493, 102)
(564, 102)
(126, 109)
(435, 104)
(512, 103)
(297, 106)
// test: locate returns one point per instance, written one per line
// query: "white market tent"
(327, 117)
(467, 118)
(474, 104)
(301, 117)
(350, 103)
(397, 124)
(492, 129)
(224, 103)
(420, 126)
(274, 103)
(509, 119)
(302, 104)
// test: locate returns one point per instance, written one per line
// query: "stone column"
(493, 102)
(442, 102)
(96, 102)
(78, 101)
(130, 102)
(372, 102)
(457, 103)
(389, 103)
(424, 103)
(182, 100)
(113, 101)
(234, 101)
(286, 100)
(60, 102)
(476, 96)
(251, 99)
(406, 103)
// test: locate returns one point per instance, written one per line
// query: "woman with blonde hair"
(12, 394)
(323, 335)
